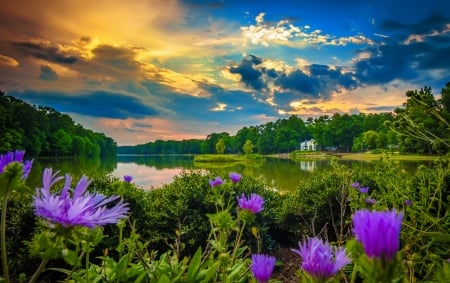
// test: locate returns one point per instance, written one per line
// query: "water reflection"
(155, 171)
(146, 176)
(75, 167)
(308, 165)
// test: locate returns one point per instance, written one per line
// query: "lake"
(154, 171)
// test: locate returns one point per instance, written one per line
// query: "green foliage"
(188, 231)
(248, 147)
(318, 206)
(220, 146)
(43, 131)
(423, 124)
(426, 221)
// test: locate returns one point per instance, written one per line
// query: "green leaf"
(71, 257)
(194, 265)
(209, 273)
(164, 279)
(236, 271)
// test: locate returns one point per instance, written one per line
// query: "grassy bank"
(392, 156)
(226, 158)
(368, 156)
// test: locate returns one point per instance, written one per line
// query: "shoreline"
(360, 156)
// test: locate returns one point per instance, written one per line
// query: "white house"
(308, 145)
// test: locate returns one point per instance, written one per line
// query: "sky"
(143, 70)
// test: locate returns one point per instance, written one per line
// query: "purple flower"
(320, 259)
(127, 178)
(363, 190)
(378, 231)
(370, 201)
(216, 182)
(16, 156)
(354, 185)
(262, 267)
(235, 177)
(75, 207)
(408, 202)
(254, 203)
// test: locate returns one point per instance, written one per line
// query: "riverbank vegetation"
(228, 158)
(43, 131)
(421, 126)
(195, 229)
(377, 226)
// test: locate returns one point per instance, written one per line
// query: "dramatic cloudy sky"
(141, 70)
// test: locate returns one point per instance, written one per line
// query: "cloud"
(47, 74)
(250, 76)
(118, 57)
(286, 33)
(287, 83)
(382, 108)
(435, 21)
(410, 51)
(8, 61)
(43, 51)
(94, 104)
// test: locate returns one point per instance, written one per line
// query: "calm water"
(154, 171)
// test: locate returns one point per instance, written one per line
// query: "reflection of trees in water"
(159, 161)
(90, 167)
(276, 173)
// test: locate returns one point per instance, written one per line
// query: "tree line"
(420, 126)
(43, 131)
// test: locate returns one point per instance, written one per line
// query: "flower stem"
(238, 241)
(39, 270)
(3, 237)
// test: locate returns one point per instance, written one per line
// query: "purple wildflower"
(235, 177)
(254, 203)
(363, 190)
(320, 259)
(16, 156)
(370, 201)
(82, 208)
(378, 231)
(408, 202)
(127, 178)
(354, 185)
(262, 267)
(216, 182)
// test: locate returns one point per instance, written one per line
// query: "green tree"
(248, 147)
(422, 124)
(370, 139)
(61, 143)
(220, 146)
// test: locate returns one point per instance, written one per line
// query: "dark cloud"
(318, 81)
(386, 63)
(408, 53)
(49, 53)
(141, 125)
(119, 57)
(96, 104)
(438, 59)
(321, 81)
(47, 74)
(250, 75)
(435, 21)
(382, 108)
(203, 3)
(299, 81)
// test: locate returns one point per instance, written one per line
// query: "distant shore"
(368, 156)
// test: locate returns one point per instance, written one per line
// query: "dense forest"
(43, 131)
(420, 126)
